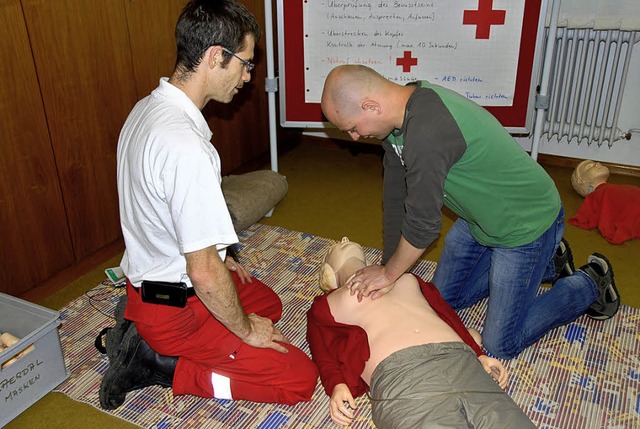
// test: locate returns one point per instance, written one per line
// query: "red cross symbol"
(484, 18)
(407, 61)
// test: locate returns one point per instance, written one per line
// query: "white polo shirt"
(169, 189)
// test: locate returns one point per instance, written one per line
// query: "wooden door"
(83, 61)
(36, 242)
(240, 129)
(153, 47)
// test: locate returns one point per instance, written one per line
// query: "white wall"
(624, 152)
(621, 14)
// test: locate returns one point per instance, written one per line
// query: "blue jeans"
(516, 315)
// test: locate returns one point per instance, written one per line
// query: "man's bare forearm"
(403, 259)
(215, 287)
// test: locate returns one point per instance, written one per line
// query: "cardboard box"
(36, 373)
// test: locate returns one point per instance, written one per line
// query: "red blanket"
(614, 210)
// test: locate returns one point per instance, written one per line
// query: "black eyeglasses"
(247, 65)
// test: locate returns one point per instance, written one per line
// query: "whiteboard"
(483, 49)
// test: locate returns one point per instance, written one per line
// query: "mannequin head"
(587, 176)
(342, 260)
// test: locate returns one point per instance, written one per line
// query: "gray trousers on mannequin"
(440, 385)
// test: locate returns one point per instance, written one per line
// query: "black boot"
(135, 366)
(109, 339)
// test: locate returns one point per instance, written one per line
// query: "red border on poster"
(297, 110)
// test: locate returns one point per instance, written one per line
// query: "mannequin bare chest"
(399, 319)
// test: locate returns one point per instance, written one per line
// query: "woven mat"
(583, 375)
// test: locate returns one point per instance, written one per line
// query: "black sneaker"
(134, 366)
(563, 260)
(600, 270)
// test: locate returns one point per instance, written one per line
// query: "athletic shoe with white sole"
(600, 270)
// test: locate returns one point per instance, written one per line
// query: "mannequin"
(359, 345)
(587, 176)
(7, 340)
(612, 208)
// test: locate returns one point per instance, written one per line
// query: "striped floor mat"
(583, 375)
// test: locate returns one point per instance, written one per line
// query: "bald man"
(443, 149)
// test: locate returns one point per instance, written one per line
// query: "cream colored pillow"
(251, 196)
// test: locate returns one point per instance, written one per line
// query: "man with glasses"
(201, 324)
(247, 65)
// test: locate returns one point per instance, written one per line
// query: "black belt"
(190, 291)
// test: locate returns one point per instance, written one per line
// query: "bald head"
(363, 103)
(347, 86)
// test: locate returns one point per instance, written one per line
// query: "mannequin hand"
(495, 369)
(264, 334)
(340, 414)
(233, 265)
(371, 280)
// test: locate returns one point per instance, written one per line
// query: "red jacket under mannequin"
(613, 209)
(340, 351)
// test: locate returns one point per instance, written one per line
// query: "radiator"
(587, 81)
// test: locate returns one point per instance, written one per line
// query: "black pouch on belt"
(166, 293)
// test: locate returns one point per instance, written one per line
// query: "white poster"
(470, 46)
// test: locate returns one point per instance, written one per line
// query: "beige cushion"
(251, 196)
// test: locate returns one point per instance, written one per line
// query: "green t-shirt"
(453, 152)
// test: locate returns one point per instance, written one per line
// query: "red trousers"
(204, 346)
